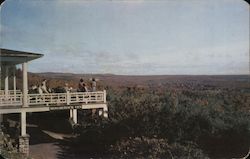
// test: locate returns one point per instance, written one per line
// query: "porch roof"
(14, 57)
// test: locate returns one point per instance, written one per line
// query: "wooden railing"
(55, 98)
(10, 92)
(48, 99)
(6, 100)
(87, 97)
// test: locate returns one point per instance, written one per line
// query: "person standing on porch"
(67, 88)
(93, 84)
(44, 87)
(81, 86)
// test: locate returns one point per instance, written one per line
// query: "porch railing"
(55, 98)
(10, 92)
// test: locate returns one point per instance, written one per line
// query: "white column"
(68, 97)
(71, 113)
(14, 82)
(104, 96)
(105, 108)
(6, 81)
(25, 84)
(75, 115)
(23, 123)
(105, 111)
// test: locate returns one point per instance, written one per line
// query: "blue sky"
(130, 37)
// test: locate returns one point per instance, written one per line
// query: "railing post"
(51, 99)
(77, 97)
(86, 99)
(68, 97)
(104, 96)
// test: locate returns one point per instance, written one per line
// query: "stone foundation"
(24, 144)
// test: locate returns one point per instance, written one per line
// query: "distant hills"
(146, 80)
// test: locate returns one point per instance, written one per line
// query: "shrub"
(144, 147)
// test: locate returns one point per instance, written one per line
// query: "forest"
(163, 117)
(171, 123)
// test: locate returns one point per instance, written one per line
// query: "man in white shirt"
(44, 87)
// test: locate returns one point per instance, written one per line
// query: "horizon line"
(143, 74)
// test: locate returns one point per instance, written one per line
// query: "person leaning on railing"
(33, 90)
(67, 88)
(82, 86)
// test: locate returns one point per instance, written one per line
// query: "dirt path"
(45, 144)
(44, 151)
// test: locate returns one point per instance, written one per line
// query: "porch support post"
(6, 81)
(105, 111)
(25, 84)
(24, 138)
(105, 108)
(14, 81)
(23, 123)
(71, 113)
(75, 116)
(104, 96)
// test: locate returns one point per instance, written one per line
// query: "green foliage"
(7, 150)
(144, 147)
(150, 124)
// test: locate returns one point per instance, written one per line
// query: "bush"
(144, 147)
(7, 149)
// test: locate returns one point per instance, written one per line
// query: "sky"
(130, 37)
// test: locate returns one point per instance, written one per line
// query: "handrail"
(55, 98)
